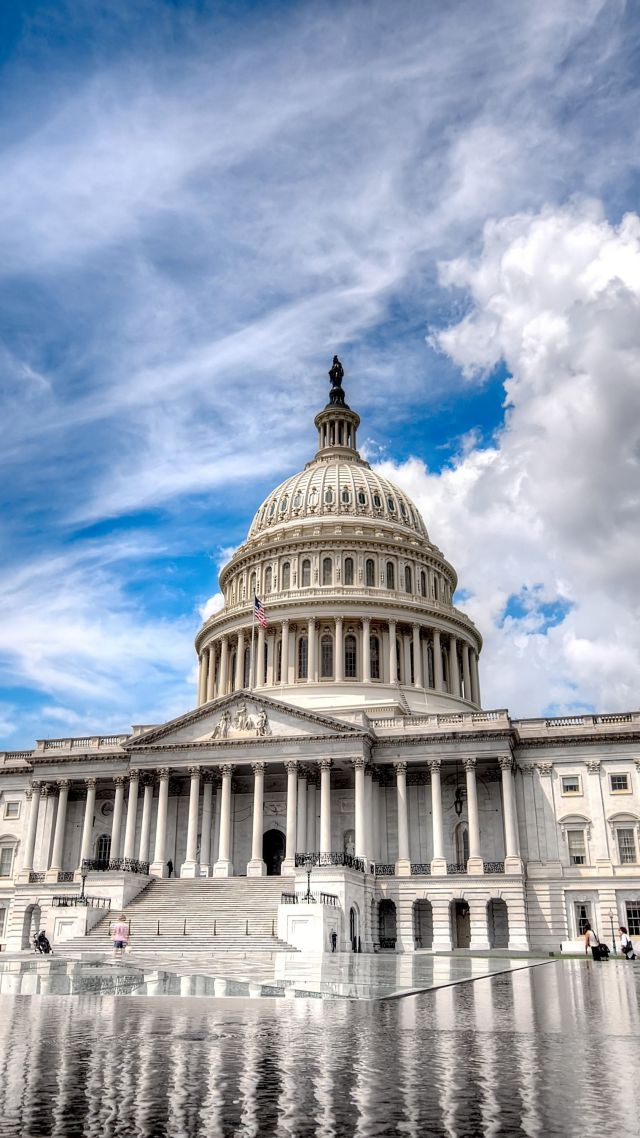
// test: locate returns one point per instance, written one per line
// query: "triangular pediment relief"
(243, 716)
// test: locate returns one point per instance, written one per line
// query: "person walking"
(120, 933)
(334, 940)
(626, 946)
(170, 867)
(591, 942)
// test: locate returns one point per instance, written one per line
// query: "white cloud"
(554, 504)
(212, 605)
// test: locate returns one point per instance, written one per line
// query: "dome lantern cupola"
(337, 424)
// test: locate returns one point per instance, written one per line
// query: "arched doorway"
(354, 929)
(387, 924)
(498, 923)
(460, 924)
(273, 846)
(30, 925)
(422, 924)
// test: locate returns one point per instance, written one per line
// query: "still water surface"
(551, 1050)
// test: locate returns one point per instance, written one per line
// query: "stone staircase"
(180, 915)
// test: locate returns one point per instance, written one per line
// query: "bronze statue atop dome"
(336, 374)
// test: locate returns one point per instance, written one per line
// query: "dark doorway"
(498, 923)
(273, 852)
(461, 924)
(422, 924)
(387, 924)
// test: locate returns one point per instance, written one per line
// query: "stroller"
(42, 944)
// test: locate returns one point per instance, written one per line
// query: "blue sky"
(200, 203)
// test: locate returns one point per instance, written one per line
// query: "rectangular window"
(3, 922)
(633, 917)
(619, 783)
(12, 809)
(626, 847)
(583, 916)
(577, 847)
(6, 861)
(571, 784)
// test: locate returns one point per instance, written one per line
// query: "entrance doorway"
(387, 924)
(461, 921)
(273, 846)
(354, 929)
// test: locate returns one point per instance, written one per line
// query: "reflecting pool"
(549, 1050)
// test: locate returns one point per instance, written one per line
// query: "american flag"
(258, 611)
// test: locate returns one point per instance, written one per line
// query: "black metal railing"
(384, 869)
(493, 866)
(306, 860)
(310, 899)
(68, 902)
(421, 867)
(65, 875)
(34, 878)
(387, 942)
(456, 867)
(114, 864)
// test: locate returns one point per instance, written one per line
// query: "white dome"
(342, 488)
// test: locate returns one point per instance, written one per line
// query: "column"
(55, 864)
(189, 866)
(393, 660)
(305, 839)
(30, 844)
(159, 868)
(207, 812)
(438, 864)
(454, 674)
(216, 817)
(403, 864)
(239, 677)
(116, 825)
(366, 653)
(325, 805)
(338, 658)
(437, 661)
(417, 657)
(374, 851)
(368, 819)
(311, 843)
(132, 813)
(270, 661)
(284, 654)
(466, 672)
(145, 825)
(211, 673)
(202, 677)
(359, 765)
(475, 679)
(475, 863)
(312, 667)
(289, 862)
(224, 666)
(510, 820)
(259, 661)
(256, 867)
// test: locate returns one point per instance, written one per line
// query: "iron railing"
(65, 875)
(456, 867)
(493, 866)
(385, 869)
(421, 867)
(310, 899)
(114, 864)
(67, 902)
(309, 860)
(34, 878)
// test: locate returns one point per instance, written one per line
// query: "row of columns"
(297, 817)
(463, 664)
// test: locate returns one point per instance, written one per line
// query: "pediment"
(241, 717)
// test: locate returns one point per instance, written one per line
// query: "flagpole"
(253, 632)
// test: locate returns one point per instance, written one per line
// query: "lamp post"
(613, 935)
(308, 861)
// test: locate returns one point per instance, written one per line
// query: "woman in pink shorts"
(120, 935)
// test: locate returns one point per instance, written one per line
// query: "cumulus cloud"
(542, 525)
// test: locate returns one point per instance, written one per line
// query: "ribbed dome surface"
(339, 487)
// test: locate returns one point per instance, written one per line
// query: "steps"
(212, 914)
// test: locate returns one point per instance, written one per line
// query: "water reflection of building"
(355, 728)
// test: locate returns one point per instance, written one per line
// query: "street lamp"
(308, 862)
(613, 935)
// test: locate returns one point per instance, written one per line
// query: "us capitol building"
(343, 749)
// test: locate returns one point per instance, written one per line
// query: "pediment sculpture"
(242, 723)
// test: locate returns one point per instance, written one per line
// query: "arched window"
(246, 678)
(232, 670)
(377, 501)
(252, 586)
(279, 662)
(297, 500)
(286, 576)
(327, 571)
(369, 572)
(408, 584)
(411, 666)
(392, 506)
(435, 588)
(272, 509)
(423, 584)
(306, 573)
(103, 847)
(350, 656)
(462, 843)
(362, 498)
(391, 575)
(346, 497)
(374, 657)
(303, 657)
(7, 854)
(283, 504)
(313, 498)
(267, 580)
(326, 657)
(348, 570)
(328, 496)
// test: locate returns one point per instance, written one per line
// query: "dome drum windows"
(348, 571)
(345, 497)
(305, 574)
(326, 656)
(268, 577)
(329, 496)
(374, 657)
(350, 657)
(286, 576)
(327, 571)
(408, 579)
(390, 575)
(303, 658)
(370, 573)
